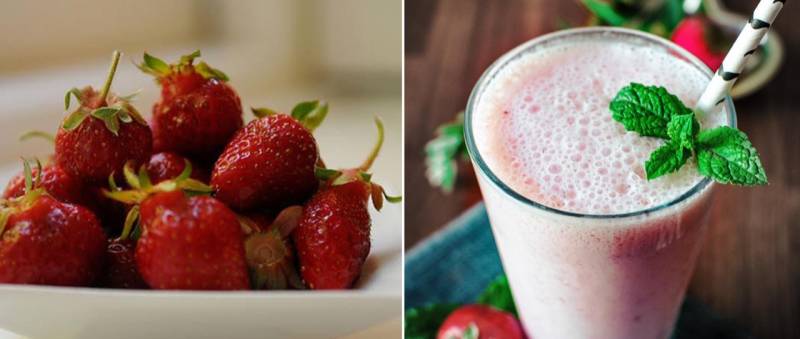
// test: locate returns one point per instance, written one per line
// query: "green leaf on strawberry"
(424, 322)
(160, 69)
(73, 92)
(209, 72)
(154, 65)
(498, 295)
(310, 113)
(109, 108)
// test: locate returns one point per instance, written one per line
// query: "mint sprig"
(724, 154)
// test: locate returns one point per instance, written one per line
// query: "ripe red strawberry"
(700, 37)
(121, 271)
(57, 183)
(333, 236)
(198, 111)
(48, 242)
(270, 255)
(167, 165)
(480, 321)
(188, 241)
(270, 163)
(102, 135)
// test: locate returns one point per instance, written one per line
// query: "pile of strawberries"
(194, 199)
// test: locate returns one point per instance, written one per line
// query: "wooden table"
(749, 270)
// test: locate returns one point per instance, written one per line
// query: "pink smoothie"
(543, 127)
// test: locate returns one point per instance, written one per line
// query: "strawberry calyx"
(33, 191)
(332, 177)
(310, 114)
(142, 187)
(113, 110)
(269, 258)
(160, 69)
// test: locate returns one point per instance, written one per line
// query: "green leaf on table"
(605, 12)
(646, 109)
(498, 295)
(666, 159)
(671, 14)
(423, 322)
(443, 152)
(726, 155)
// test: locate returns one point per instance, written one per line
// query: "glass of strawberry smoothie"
(591, 248)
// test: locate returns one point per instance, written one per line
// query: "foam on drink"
(544, 128)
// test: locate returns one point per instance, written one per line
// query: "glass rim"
(489, 74)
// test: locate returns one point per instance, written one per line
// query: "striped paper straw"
(746, 43)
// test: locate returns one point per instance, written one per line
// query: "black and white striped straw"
(746, 43)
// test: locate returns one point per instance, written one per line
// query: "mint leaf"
(683, 129)
(442, 153)
(424, 322)
(646, 109)
(666, 159)
(498, 295)
(726, 155)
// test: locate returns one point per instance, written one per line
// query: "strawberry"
(102, 135)
(269, 252)
(167, 165)
(57, 183)
(45, 241)
(333, 235)
(270, 163)
(121, 271)
(480, 321)
(188, 241)
(198, 112)
(698, 36)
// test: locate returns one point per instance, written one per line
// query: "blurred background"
(748, 273)
(276, 53)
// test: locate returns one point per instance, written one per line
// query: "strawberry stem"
(375, 149)
(113, 69)
(130, 221)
